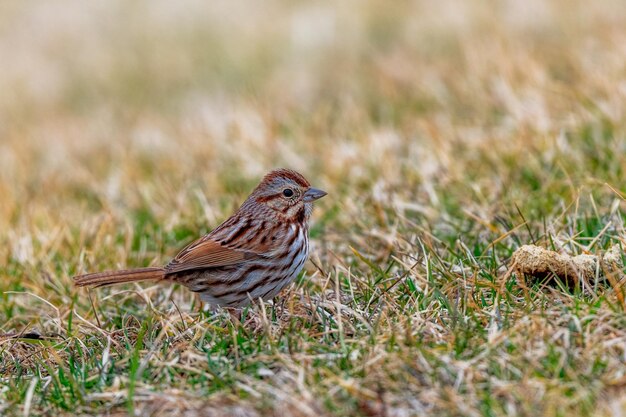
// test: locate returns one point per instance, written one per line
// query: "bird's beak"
(313, 194)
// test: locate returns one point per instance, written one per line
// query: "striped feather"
(253, 254)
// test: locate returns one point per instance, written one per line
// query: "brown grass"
(448, 135)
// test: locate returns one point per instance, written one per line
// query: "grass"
(447, 136)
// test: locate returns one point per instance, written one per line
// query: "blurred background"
(447, 133)
(178, 108)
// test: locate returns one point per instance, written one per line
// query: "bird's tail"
(100, 279)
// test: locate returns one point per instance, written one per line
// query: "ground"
(447, 134)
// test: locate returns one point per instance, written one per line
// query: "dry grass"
(447, 134)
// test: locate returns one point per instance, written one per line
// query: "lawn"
(447, 134)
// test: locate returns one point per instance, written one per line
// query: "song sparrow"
(254, 254)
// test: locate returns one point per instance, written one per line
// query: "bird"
(252, 255)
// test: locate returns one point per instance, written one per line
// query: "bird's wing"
(207, 253)
(229, 244)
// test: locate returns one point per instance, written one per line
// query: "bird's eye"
(288, 192)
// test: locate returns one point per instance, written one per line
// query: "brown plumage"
(254, 254)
